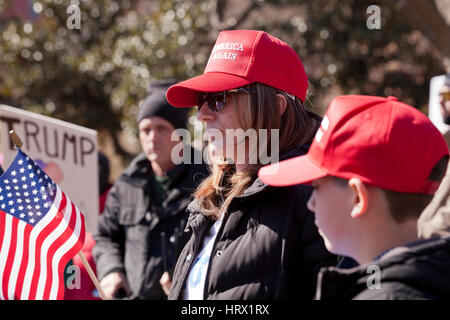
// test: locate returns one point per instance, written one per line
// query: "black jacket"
(420, 270)
(268, 246)
(129, 230)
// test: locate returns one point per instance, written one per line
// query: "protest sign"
(66, 152)
(434, 108)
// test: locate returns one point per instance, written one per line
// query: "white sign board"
(434, 108)
(66, 152)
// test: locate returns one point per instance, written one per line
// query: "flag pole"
(18, 144)
(92, 275)
(15, 139)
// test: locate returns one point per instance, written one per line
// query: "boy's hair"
(404, 206)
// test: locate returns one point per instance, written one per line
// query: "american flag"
(40, 231)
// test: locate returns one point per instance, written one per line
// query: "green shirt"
(160, 187)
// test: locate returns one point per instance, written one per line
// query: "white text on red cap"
(323, 127)
(235, 46)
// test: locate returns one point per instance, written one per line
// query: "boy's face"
(332, 202)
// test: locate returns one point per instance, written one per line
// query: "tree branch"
(217, 19)
(245, 14)
(425, 16)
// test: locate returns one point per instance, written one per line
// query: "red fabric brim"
(184, 94)
(299, 170)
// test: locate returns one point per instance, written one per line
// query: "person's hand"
(113, 283)
(165, 282)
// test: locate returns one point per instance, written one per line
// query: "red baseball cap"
(381, 141)
(241, 57)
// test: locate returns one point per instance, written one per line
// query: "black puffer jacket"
(268, 246)
(420, 270)
(129, 230)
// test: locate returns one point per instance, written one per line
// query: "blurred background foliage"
(97, 75)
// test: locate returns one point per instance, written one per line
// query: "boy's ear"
(361, 197)
(281, 102)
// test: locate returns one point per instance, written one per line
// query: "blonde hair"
(256, 111)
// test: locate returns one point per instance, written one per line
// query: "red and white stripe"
(32, 259)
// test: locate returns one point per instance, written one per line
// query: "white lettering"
(74, 280)
(193, 310)
(244, 147)
(374, 20)
(224, 55)
(236, 46)
(374, 280)
(74, 20)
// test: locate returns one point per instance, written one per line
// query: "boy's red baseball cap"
(241, 57)
(381, 141)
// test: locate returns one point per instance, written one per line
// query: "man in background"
(435, 219)
(146, 206)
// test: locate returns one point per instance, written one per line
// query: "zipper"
(194, 256)
(318, 293)
(219, 232)
(319, 283)
(186, 271)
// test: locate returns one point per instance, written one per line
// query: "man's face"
(155, 137)
(332, 203)
(444, 100)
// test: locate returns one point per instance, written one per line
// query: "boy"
(375, 164)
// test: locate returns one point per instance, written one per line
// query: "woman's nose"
(204, 113)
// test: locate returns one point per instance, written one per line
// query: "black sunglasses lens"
(211, 102)
(200, 100)
(220, 101)
(216, 101)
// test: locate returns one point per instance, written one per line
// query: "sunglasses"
(445, 95)
(217, 100)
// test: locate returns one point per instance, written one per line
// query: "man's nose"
(152, 136)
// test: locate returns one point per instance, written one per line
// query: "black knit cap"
(156, 105)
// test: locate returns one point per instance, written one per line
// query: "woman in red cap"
(249, 240)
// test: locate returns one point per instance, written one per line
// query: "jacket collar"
(137, 173)
(197, 222)
(397, 264)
